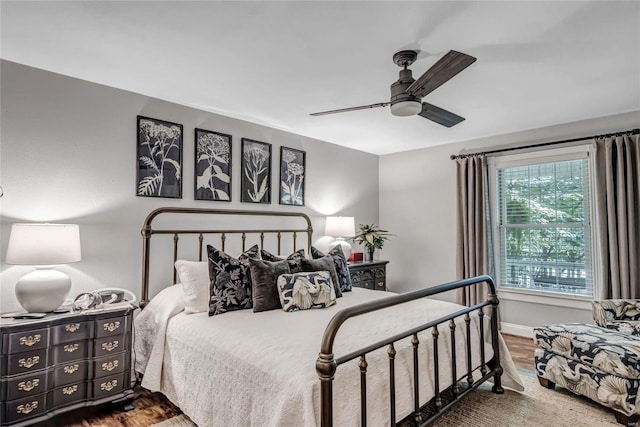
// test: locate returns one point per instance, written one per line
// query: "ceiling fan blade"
(344, 110)
(447, 67)
(440, 116)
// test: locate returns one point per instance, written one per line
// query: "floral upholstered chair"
(622, 315)
(599, 362)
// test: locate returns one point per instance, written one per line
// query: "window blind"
(544, 227)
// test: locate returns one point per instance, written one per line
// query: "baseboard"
(519, 330)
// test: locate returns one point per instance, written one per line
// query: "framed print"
(292, 164)
(213, 166)
(256, 172)
(159, 156)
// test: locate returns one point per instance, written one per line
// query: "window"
(542, 213)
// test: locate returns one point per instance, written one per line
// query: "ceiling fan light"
(406, 108)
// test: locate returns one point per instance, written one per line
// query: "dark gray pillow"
(230, 286)
(302, 291)
(294, 259)
(341, 264)
(264, 276)
(323, 264)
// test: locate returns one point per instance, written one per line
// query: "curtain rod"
(543, 144)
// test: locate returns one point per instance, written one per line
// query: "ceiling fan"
(407, 93)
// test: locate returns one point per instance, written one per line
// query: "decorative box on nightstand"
(369, 274)
(62, 362)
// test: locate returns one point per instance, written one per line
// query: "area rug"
(536, 406)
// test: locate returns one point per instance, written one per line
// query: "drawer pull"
(72, 327)
(27, 408)
(69, 390)
(110, 366)
(110, 346)
(381, 284)
(109, 385)
(28, 385)
(70, 348)
(70, 369)
(110, 327)
(30, 340)
(29, 362)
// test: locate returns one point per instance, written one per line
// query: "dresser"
(62, 362)
(369, 274)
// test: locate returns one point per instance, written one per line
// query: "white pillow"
(194, 276)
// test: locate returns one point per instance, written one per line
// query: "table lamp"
(43, 246)
(340, 227)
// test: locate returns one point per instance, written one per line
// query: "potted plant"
(372, 237)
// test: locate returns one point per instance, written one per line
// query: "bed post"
(326, 368)
(495, 341)
(146, 241)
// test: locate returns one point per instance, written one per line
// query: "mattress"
(258, 369)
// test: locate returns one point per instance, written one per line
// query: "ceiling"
(273, 63)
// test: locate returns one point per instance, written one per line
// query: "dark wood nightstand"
(369, 274)
(63, 362)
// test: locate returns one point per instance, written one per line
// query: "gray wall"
(417, 202)
(68, 154)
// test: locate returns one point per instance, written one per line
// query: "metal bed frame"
(148, 231)
(327, 364)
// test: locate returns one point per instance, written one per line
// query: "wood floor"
(521, 350)
(151, 408)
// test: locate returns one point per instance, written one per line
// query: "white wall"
(417, 202)
(68, 154)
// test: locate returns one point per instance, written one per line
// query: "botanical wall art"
(256, 171)
(159, 158)
(213, 165)
(292, 164)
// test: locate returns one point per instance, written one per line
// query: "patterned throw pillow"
(230, 287)
(264, 275)
(341, 264)
(301, 291)
(323, 264)
(294, 259)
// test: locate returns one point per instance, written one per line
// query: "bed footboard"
(327, 364)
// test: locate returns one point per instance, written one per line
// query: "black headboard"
(283, 229)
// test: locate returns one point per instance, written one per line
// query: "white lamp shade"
(43, 244)
(406, 108)
(340, 226)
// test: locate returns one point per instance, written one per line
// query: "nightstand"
(63, 362)
(369, 274)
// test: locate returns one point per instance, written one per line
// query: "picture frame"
(212, 179)
(292, 176)
(255, 185)
(159, 158)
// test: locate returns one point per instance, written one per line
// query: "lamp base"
(42, 290)
(346, 247)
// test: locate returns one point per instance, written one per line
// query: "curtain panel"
(472, 248)
(618, 218)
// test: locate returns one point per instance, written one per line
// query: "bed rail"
(327, 363)
(148, 230)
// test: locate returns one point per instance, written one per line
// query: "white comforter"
(244, 368)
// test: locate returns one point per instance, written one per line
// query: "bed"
(374, 358)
